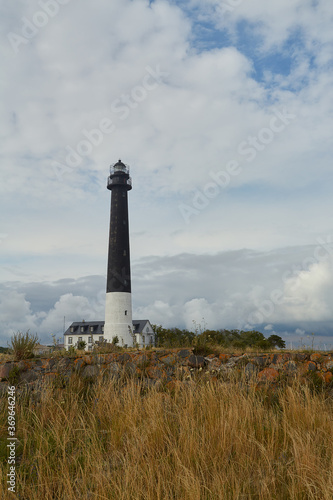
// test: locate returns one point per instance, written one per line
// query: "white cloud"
(87, 61)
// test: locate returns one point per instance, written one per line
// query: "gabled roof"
(139, 324)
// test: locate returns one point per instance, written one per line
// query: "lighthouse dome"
(119, 167)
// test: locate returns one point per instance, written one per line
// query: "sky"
(222, 110)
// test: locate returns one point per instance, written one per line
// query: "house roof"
(138, 326)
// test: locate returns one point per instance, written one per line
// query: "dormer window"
(72, 329)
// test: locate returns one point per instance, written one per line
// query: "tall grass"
(201, 441)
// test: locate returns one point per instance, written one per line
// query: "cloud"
(274, 291)
(223, 73)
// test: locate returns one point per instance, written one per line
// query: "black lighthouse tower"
(118, 305)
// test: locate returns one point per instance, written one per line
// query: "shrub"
(23, 344)
(81, 345)
(14, 375)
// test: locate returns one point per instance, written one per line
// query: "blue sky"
(223, 110)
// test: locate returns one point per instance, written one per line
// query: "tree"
(276, 341)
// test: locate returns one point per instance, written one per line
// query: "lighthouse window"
(125, 313)
(124, 253)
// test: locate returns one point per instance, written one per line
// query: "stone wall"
(168, 368)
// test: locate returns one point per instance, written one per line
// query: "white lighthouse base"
(118, 318)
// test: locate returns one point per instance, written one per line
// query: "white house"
(93, 331)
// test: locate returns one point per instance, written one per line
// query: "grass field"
(116, 440)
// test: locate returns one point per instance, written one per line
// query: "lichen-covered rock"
(184, 353)
(309, 366)
(169, 359)
(196, 361)
(268, 375)
(290, 367)
(316, 357)
(124, 358)
(260, 361)
(326, 377)
(224, 357)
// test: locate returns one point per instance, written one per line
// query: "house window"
(80, 338)
(100, 339)
(89, 347)
(70, 340)
(89, 340)
(143, 339)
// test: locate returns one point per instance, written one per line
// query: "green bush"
(14, 375)
(81, 345)
(22, 345)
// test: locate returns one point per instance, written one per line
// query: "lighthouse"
(118, 304)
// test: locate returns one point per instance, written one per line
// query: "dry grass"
(116, 440)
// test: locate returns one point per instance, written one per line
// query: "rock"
(184, 353)
(224, 357)
(5, 370)
(51, 365)
(90, 371)
(290, 367)
(326, 377)
(268, 375)
(155, 372)
(64, 363)
(196, 361)
(328, 362)
(87, 359)
(169, 360)
(299, 356)
(310, 366)
(28, 376)
(250, 370)
(79, 363)
(214, 364)
(130, 368)
(123, 358)
(260, 361)
(114, 368)
(316, 357)
(23, 366)
(141, 360)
